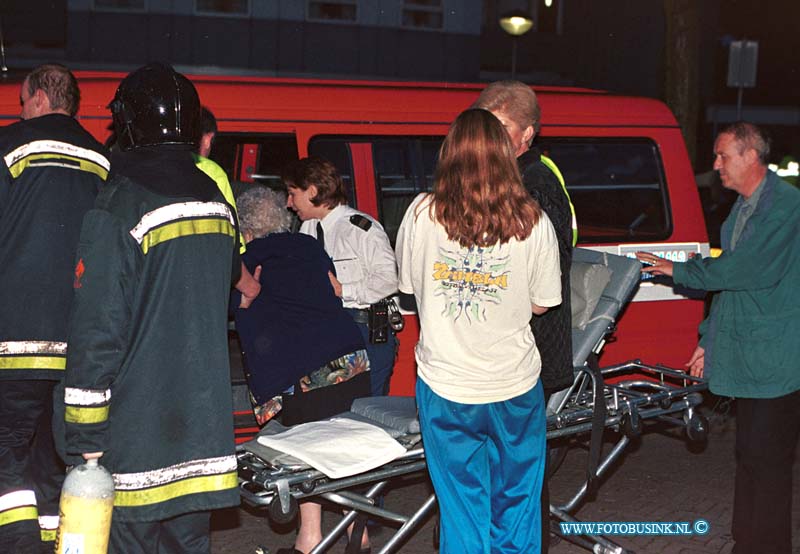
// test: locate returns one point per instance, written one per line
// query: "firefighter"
(51, 171)
(147, 385)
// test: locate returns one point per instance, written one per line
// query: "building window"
(132, 5)
(336, 10)
(423, 14)
(223, 7)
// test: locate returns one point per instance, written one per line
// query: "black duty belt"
(359, 315)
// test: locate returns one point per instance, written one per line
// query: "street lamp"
(515, 24)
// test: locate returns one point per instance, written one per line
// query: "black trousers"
(184, 534)
(28, 462)
(766, 438)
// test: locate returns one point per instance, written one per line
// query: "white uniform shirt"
(364, 260)
(474, 304)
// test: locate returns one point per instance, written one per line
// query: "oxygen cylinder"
(87, 499)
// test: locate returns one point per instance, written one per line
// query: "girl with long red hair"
(480, 258)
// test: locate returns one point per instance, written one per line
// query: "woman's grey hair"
(263, 211)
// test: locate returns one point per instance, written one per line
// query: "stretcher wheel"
(308, 486)
(631, 425)
(697, 428)
(277, 514)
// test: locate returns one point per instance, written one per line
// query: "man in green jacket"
(748, 347)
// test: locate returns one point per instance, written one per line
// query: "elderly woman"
(296, 336)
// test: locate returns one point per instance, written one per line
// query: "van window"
(403, 167)
(617, 186)
(249, 157)
(337, 151)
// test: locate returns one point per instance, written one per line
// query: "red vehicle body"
(623, 159)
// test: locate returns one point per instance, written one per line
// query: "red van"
(623, 159)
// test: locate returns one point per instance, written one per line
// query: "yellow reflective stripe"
(84, 165)
(551, 165)
(81, 414)
(180, 211)
(33, 362)
(163, 493)
(23, 513)
(186, 228)
(47, 535)
(218, 175)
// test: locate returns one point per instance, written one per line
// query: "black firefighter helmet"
(156, 105)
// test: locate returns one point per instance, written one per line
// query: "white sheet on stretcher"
(338, 447)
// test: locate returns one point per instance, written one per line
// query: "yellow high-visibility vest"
(551, 165)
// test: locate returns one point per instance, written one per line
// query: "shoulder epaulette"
(361, 222)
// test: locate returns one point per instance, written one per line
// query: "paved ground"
(659, 479)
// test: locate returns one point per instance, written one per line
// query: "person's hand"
(653, 264)
(538, 310)
(253, 289)
(696, 363)
(91, 455)
(337, 286)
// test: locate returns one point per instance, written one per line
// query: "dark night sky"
(775, 24)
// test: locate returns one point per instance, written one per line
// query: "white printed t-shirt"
(475, 344)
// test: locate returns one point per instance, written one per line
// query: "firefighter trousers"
(187, 533)
(31, 473)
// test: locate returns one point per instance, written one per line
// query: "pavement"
(660, 478)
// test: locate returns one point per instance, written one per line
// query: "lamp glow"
(516, 25)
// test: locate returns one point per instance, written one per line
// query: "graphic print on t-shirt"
(470, 278)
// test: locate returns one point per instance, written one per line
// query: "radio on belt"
(379, 322)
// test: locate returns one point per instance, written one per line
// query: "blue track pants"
(486, 463)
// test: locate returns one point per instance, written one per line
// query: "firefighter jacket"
(50, 174)
(148, 375)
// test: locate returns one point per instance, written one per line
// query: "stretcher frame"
(632, 393)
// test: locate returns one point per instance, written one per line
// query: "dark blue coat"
(296, 324)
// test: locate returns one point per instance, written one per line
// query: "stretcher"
(624, 397)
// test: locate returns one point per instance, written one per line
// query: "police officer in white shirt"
(366, 271)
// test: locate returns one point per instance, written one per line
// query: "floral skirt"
(340, 370)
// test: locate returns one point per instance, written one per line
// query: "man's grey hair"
(263, 211)
(516, 99)
(747, 136)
